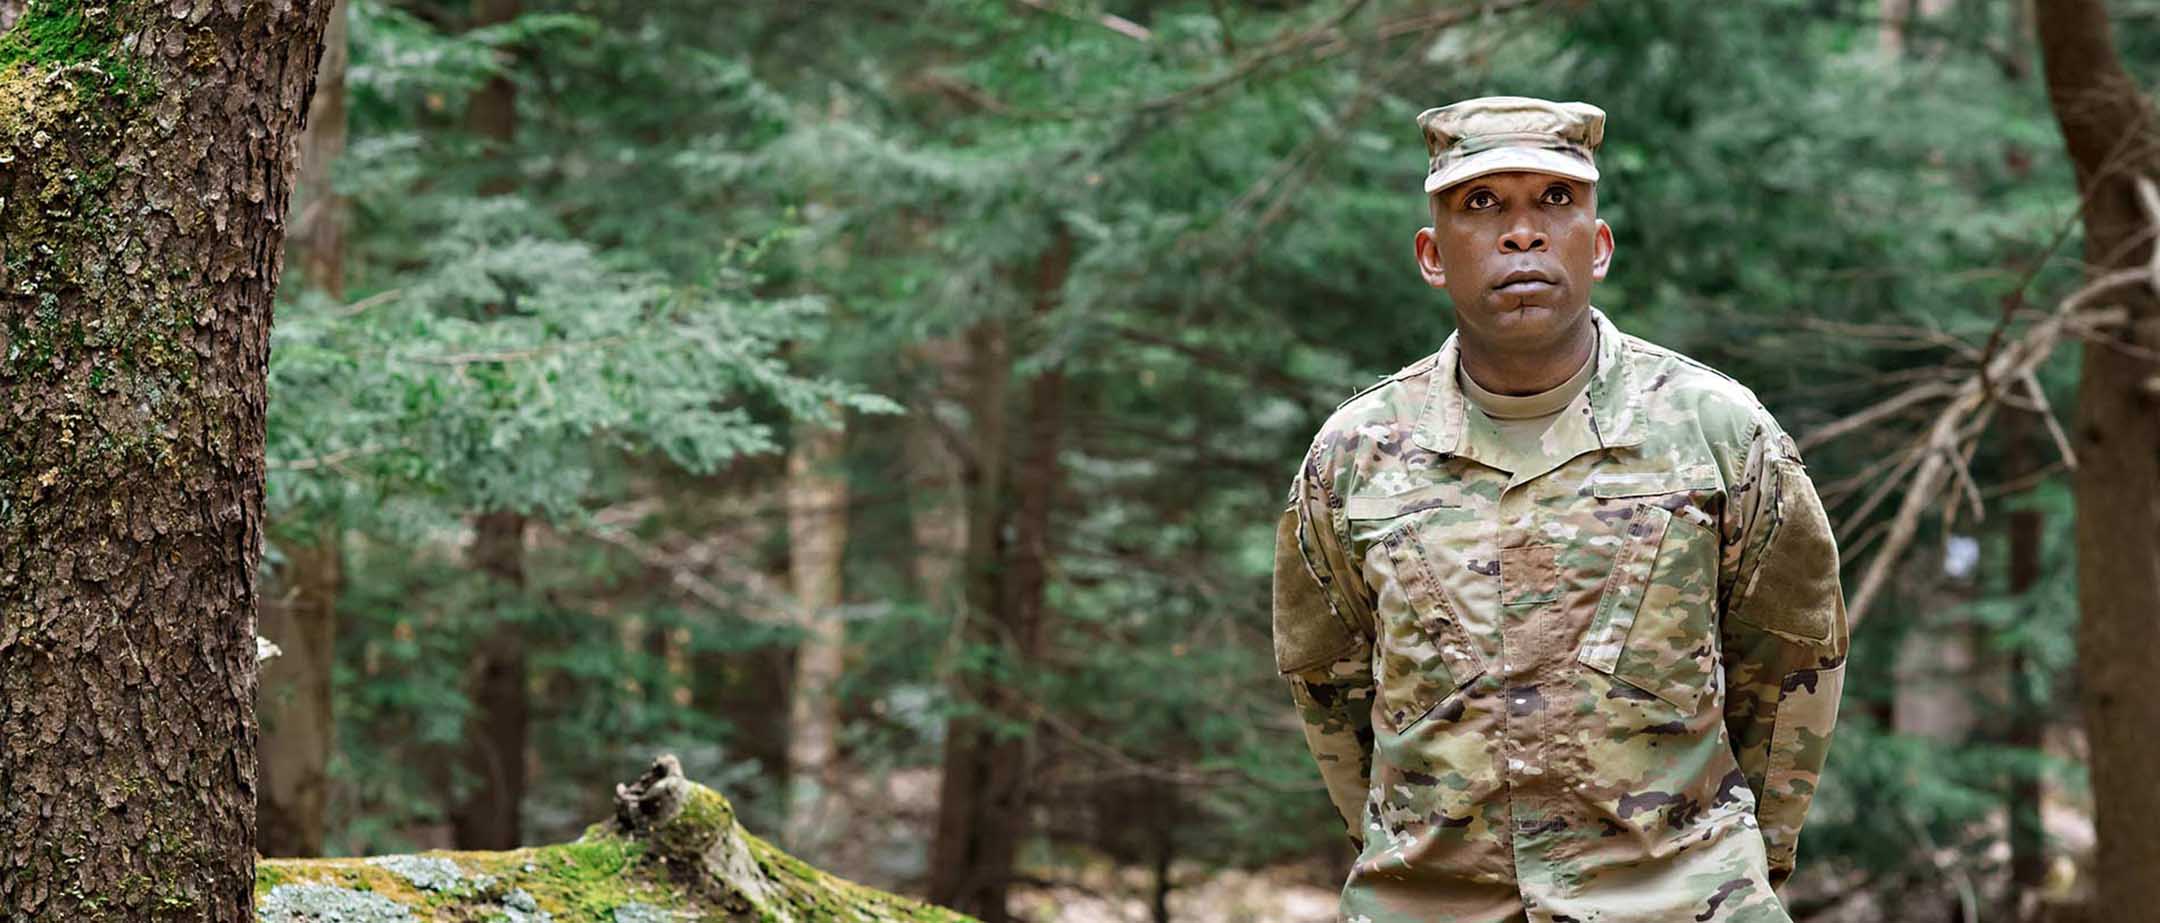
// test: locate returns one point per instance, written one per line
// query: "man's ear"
(1601, 252)
(1428, 258)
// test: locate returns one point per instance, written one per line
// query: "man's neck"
(1528, 372)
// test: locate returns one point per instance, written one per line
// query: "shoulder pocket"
(1308, 631)
(1792, 585)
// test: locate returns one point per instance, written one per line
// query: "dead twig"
(2047, 416)
(1110, 21)
(2149, 199)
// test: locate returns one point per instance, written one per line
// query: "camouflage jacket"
(1597, 689)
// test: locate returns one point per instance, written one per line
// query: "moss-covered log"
(672, 852)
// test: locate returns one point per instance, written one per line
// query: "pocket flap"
(1612, 484)
(1430, 496)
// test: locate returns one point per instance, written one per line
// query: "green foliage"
(721, 224)
(510, 352)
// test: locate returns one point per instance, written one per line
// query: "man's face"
(1518, 252)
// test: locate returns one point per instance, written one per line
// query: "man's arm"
(1784, 636)
(1322, 645)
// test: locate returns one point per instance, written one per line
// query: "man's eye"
(1558, 195)
(1480, 199)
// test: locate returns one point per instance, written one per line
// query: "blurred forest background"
(885, 406)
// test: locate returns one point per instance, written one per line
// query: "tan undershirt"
(1522, 419)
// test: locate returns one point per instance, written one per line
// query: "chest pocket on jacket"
(1422, 654)
(1655, 627)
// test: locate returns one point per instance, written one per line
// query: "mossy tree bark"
(146, 153)
(2113, 137)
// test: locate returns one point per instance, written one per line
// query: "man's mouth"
(1523, 282)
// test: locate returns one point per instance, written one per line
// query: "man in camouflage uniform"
(1559, 606)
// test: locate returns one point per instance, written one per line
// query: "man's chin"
(1525, 323)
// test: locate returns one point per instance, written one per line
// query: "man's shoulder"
(1675, 389)
(1385, 410)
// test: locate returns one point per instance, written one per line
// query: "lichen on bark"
(673, 851)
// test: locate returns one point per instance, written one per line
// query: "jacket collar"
(1608, 421)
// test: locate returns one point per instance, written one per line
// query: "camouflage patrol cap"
(1493, 134)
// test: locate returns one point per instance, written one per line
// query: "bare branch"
(1961, 419)
(2047, 415)
(1890, 407)
(2149, 200)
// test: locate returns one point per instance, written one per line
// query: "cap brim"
(1511, 159)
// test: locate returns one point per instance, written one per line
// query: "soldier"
(1559, 606)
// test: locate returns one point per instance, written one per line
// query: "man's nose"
(1522, 240)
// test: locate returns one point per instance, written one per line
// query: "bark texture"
(2113, 139)
(817, 501)
(146, 155)
(983, 794)
(673, 851)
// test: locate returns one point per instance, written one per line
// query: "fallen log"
(672, 852)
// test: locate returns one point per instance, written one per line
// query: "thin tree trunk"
(299, 609)
(936, 474)
(319, 232)
(983, 807)
(2028, 727)
(2110, 131)
(145, 168)
(962, 876)
(817, 499)
(486, 816)
(1166, 822)
(299, 614)
(1890, 27)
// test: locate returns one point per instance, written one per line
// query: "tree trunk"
(937, 509)
(492, 112)
(145, 167)
(299, 615)
(983, 796)
(2028, 731)
(486, 816)
(2112, 137)
(299, 608)
(817, 500)
(961, 874)
(486, 813)
(319, 232)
